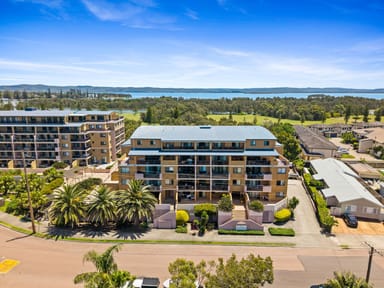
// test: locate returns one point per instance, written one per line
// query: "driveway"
(354, 153)
(364, 228)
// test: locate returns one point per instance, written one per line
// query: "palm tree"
(346, 279)
(67, 206)
(101, 207)
(107, 274)
(135, 203)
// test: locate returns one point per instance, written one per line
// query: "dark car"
(350, 220)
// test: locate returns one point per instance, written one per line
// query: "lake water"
(246, 95)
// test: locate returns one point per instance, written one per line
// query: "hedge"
(211, 209)
(274, 231)
(246, 232)
(181, 229)
(283, 215)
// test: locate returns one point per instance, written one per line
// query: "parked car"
(350, 220)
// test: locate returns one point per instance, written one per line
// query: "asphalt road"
(49, 263)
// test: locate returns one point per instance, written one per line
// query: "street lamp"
(29, 195)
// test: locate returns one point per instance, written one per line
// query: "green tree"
(7, 183)
(52, 174)
(378, 115)
(135, 203)
(292, 204)
(252, 271)
(183, 273)
(107, 274)
(347, 280)
(101, 206)
(256, 205)
(225, 203)
(366, 114)
(67, 207)
(347, 114)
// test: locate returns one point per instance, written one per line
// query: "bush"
(181, 229)
(246, 232)
(182, 217)
(256, 205)
(281, 231)
(59, 165)
(225, 203)
(283, 215)
(211, 209)
(48, 188)
(89, 183)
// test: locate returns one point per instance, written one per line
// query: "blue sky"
(193, 43)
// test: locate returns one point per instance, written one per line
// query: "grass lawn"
(347, 156)
(131, 116)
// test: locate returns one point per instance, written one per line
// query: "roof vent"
(205, 127)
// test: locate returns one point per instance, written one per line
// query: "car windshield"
(352, 217)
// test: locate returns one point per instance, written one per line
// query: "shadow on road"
(20, 237)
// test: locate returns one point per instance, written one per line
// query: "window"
(266, 143)
(153, 142)
(65, 153)
(103, 135)
(169, 169)
(168, 181)
(124, 169)
(237, 170)
(124, 181)
(280, 182)
(98, 126)
(279, 194)
(370, 210)
(104, 150)
(281, 170)
(65, 145)
(169, 158)
(139, 142)
(236, 182)
(253, 142)
(64, 137)
(103, 143)
(351, 208)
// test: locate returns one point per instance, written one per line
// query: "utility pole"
(29, 195)
(371, 251)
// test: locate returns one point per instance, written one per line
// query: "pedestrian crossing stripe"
(7, 265)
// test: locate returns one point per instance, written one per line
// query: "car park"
(350, 220)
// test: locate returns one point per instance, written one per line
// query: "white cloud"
(48, 3)
(107, 11)
(192, 14)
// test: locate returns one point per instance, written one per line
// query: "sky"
(193, 43)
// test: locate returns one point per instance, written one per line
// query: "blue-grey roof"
(202, 133)
(342, 181)
(205, 153)
(50, 113)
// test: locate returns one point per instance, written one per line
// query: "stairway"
(238, 212)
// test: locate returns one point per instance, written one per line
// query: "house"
(369, 138)
(345, 191)
(313, 145)
(77, 138)
(143, 282)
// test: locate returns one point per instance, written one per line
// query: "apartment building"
(46, 136)
(199, 163)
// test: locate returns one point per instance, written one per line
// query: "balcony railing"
(259, 176)
(186, 175)
(258, 162)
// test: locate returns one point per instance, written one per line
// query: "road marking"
(7, 265)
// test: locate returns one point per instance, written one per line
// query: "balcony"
(259, 162)
(220, 187)
(186, 175)
(267, 177)
(258, 188)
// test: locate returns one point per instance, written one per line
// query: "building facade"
(47, 136)
(199, 163)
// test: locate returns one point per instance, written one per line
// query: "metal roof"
(342, 181)
(50, 113)
(202, 133)
(312, 140)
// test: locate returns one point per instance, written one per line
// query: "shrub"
(59, 165)
(225, 203)
(181, 229)
(256, 205)
(283, 215)
(211, 209)
(274, 231)
(48, 188)
(89, 183)
(246, 232)
(182, 217)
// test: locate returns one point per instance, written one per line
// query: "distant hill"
(124, 90)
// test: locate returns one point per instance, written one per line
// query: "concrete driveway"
(364, 228)
(354, 153)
